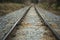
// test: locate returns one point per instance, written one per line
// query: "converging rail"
(57, 35)
(9, 21)
(32, 27)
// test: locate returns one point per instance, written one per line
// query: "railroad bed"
(31, 28)
(9, 21)
(52, 20)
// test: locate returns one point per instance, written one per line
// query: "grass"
(51, 9)
(43, 5)
(6, 8)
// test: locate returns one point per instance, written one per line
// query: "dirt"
(6, 8)
(32, 29)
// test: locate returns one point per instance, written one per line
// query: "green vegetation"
(51, 9)
(51, 5)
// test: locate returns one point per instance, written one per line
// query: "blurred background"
(7, 6)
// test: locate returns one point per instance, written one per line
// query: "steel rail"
(17, 22)
(48, 25)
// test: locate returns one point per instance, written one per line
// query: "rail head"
(19, 20)
(48, 25)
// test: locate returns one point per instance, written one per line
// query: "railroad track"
(9, 21)
(31, 27)
(56, 33)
